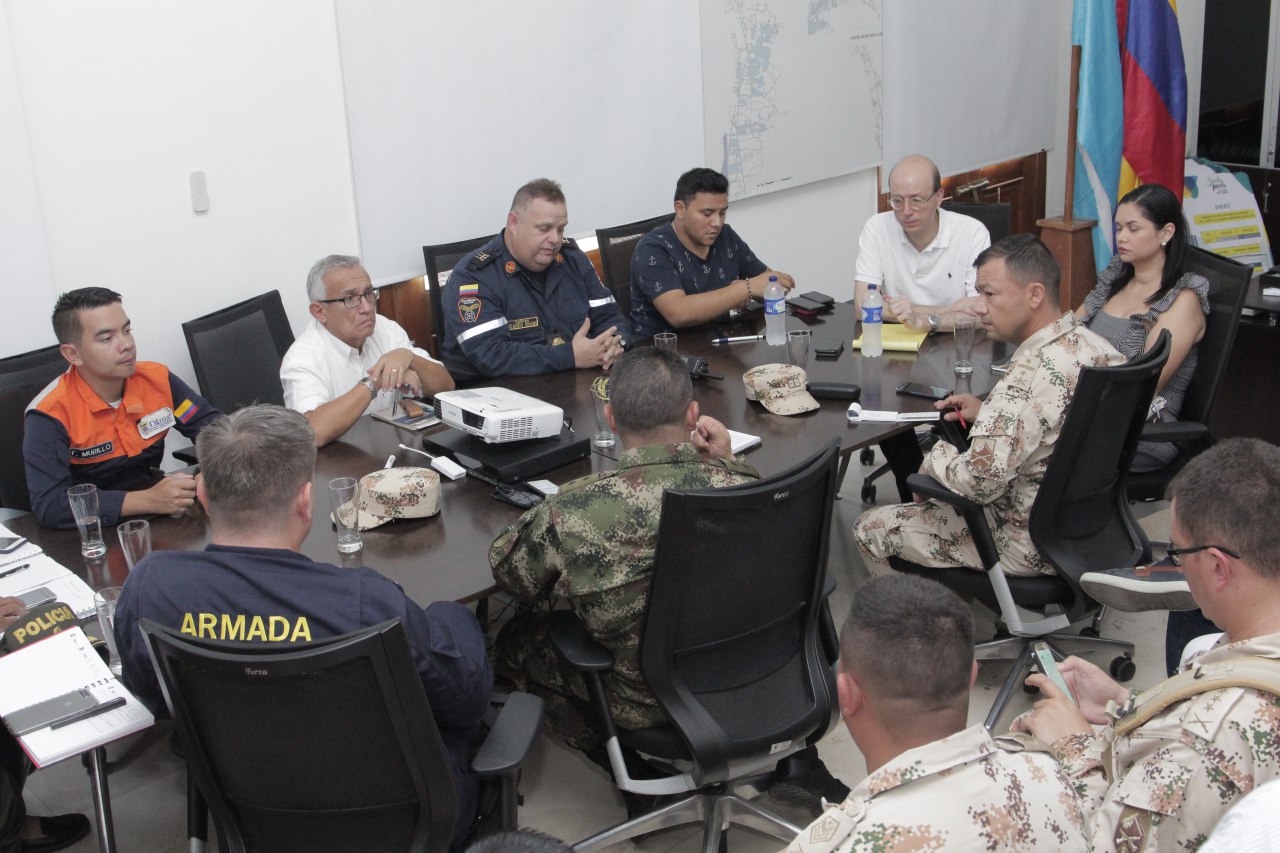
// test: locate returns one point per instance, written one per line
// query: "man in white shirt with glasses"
(350, 360)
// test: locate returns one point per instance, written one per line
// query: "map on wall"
(790, 90)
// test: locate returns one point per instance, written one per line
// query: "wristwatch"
(934, 321)
(372, 386)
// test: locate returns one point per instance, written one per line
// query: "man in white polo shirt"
(921, 259)
(918, 255)
(350, 360)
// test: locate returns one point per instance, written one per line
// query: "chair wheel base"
(1123, 668)
(868, 493)
(867, 456)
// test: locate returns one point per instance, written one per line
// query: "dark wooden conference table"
(446, 557)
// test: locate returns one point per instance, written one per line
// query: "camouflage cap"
(780, 387)
(392, 493)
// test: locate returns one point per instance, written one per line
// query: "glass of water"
(345, 494)
(604, 436)
(84, 506)
(966, 327)
(104, 601)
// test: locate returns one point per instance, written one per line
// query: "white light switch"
(199, 193)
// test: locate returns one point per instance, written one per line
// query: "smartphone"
(9, 544)
(35, 597)
(1049, 666)
(929, 392)
(51, 711)
(828, 350)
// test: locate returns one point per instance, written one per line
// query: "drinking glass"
(965, 327)
(665, 340)
(344, 492)
(84, 506)
(135, 539)
(798, 347)
(104, 601)
(604, 437)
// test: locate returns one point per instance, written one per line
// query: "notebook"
(65, 663)
(898, 338)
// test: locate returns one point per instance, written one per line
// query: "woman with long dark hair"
(1144, 289)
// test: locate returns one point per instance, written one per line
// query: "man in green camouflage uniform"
(906, 669)
(1162, 784)
(1014, 431)
(593, 544)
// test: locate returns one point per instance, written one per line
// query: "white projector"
(499, 414)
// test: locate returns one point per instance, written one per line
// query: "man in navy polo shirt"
(695, 268)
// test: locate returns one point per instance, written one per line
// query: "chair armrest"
(575, 645)
(509, 741)
(926, 486)
(185, 454)
(1178, 431)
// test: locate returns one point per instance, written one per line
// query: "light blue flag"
(1100, 125)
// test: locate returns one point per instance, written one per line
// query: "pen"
(14, 570)
(739, 340)
(90, 712)
(960, 415)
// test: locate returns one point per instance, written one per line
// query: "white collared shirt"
(939, 275)
(319, 367)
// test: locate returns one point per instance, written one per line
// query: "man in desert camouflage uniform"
(1168, 764)
(906, 668)
(593, 544)
(1014, 431)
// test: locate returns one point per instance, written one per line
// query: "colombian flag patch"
(469, 289)
(186, 411)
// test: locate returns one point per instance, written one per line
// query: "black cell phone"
(9, 544)
(828, 350)
(818, 296)
(929, 392)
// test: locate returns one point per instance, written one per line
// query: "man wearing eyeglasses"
(921, 258)
(350, 360)
(1167, 764)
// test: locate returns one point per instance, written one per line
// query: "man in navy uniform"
(529, 301)
(251, 584)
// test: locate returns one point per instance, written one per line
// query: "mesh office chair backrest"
(22, 377)
(440, 260)
(730, 644)
(237, 352)
(1080, 520)
(617, 245)
(323, 746)
(1228, 286)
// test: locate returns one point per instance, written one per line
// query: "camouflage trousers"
(928, 534)
(524, 656)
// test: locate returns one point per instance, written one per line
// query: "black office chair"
(1080, 521)
(237, 352)
(441, 259)
(732, 648)
(1228, 286)
(22, 377)
(328, 745)
(617, 245)
(996, 215)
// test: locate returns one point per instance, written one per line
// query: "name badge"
(156, 422)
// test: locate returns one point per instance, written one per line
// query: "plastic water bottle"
(872, 320)
(775, 313)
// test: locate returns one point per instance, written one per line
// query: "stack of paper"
(60, 664)
(857, 414)
(898, 338)
(29, 568)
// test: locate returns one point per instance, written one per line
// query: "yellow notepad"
(898, 338)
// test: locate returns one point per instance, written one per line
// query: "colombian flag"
(186, 411)
(1155, 94)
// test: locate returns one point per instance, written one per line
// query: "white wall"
(121, 103)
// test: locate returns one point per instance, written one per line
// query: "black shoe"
(59, 831)
(803, 780)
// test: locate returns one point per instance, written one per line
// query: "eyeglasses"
(915, 202)
(1175, 553)
(351, 300)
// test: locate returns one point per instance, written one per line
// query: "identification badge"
(523, 323)
(156, 422)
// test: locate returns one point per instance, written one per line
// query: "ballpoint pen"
(14, 570)
(739, 340)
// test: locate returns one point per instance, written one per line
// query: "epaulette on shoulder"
(481, 259)
(570, 243)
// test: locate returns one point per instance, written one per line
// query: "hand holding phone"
(1049, 666)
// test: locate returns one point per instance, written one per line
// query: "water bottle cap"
(871, 286)
(773, 278)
